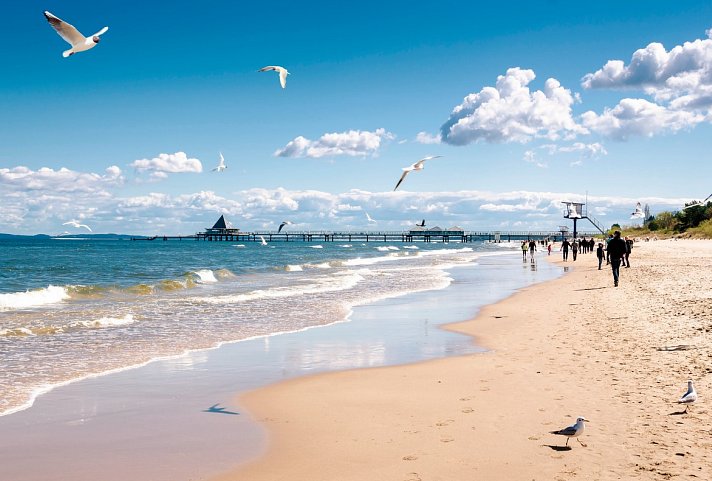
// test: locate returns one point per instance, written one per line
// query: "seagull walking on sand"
(283, 224)
(638, 212)
(76, 224)
(417, 166)
(72, 36)
(370, 219)
(689, 397)
(221, 165)
(282, 73)
(573, 431)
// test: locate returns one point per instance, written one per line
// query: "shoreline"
(563, 348)
(98, 415)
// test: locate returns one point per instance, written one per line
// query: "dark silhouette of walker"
(575, 211)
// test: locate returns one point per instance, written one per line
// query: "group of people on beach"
(616, 252)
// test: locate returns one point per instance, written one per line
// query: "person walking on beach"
(600, 255)
(524, 250)
(565, 248)
(608, 241)
(616, 251)
(548, 248)
(628, 248)
(532, 248)
(574, 248)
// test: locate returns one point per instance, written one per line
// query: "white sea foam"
(387, 248)
(411, 247)
(341, 282)
(206, 276)
(317, 247)
(346, 245)
(106, 322)
(293, 268)
(38, 297)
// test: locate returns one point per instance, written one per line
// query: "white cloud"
(510, 112)
(679, 81)
(531, 157)
(352, 143)
(63, 180)
(159, 167)
(682, 76)
(638, 117)
(426, 138)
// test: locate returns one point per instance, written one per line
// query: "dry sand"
(573, 346)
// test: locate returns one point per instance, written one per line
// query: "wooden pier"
(366, 236)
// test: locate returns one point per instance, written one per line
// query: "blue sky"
(520, 101)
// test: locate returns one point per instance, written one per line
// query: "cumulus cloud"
(638, 117)
(679, 81)
(426, 138)
(511, 112)
(682, 75)
(352, 143)
(159, 167)
(63, 180)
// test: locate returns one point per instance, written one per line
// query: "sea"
(76, 308)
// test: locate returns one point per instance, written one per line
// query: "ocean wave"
(411, 247)
(293, 268)
(105, 322)
(387, 248)
(317, 247)
(35, 298)
(343, 281)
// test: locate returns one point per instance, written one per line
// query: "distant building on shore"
(437, 230)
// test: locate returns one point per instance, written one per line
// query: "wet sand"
(569, 347)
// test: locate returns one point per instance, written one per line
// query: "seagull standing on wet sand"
(282, 73)
(689, 397)
(221, 166)
(573, 431)
(72, 36)
(417, 166)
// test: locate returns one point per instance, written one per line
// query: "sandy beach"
(575, 346)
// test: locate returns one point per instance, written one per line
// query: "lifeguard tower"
(575, 211)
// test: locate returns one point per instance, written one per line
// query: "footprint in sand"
(465, 398)
(413, 477)
(468, 410)
(410, 458)
(485, 388)
(446, 440)
(445, 423)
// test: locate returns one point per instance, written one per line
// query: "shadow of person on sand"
(557, 447)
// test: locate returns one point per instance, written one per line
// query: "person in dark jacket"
(628, 248)
(600, 255)
(616, 251)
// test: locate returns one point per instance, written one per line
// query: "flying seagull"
(281, 226)
(638, 212)
(221, 166)
(263, 241)
(417, 166)
(695, 203)
(689, 397)
(76, 224)
(573, 431)
(422, 224)
(72, 36)
(282, 73)
(370, 219)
